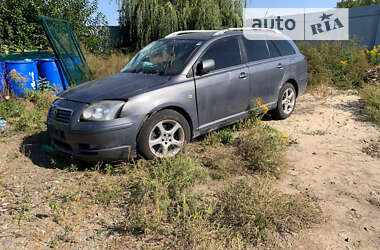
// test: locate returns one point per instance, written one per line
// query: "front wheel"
(286, 102)
(163, 135)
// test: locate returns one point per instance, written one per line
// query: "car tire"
(286, 103)
(163, 135)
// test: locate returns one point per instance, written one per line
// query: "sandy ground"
(328, 164)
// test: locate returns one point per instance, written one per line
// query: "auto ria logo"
(299, 24)
(327, 25)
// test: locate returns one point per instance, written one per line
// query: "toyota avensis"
(175, 89)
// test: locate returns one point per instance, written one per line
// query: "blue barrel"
(50, 73)
(21, 76)
(70, 63)
(2, 78)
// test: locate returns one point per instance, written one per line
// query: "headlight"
(102, 111)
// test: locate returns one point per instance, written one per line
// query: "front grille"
(62, 115)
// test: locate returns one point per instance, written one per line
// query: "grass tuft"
(252, 210)
(263, 149)
(371, 99)
(27, 115)
(158, 191)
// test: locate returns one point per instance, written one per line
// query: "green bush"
(340, 64)
(20, 29)
(251, 210)
(374, 55)
(157, 190)
(26, 115)
(222, 136)
(371, 99)
(263, 148)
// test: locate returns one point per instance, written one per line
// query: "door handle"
(280, 66)
(243, 75)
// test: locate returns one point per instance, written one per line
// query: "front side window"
(164, 57)
(285, 48)
(256, 50)
(225, 52)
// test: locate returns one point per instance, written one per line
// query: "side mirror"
(205, 66)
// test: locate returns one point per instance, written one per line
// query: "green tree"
(20, 30)
(144, 21)
(356, 3)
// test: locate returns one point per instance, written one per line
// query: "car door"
(265, 70)
(223, 93)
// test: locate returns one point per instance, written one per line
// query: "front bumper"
(92, 141)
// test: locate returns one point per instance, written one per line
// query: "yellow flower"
(258, 101)
(265, 108)
(234, 128)
(262, 122)
(284, 137)
(343, 62)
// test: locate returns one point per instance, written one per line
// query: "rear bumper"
(302, 85)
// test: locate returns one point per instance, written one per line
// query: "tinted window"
(273, 51)
(226, 53)
(284, 47)
(256, 50)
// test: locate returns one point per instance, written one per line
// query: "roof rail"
(244, 29)
(178, 33)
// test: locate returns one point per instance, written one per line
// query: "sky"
(110, 8)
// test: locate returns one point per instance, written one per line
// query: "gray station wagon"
(175, 89)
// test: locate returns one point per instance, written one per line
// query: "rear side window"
(284, 47)
(256, 50)
(225, 52)
(273, 51)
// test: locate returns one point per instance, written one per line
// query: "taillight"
(305, 58)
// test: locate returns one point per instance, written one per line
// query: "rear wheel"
(163, 135)
(286, 102)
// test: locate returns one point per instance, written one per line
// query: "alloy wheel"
(166, 138)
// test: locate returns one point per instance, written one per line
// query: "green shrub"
(341, 64)
(157, 191)
(263, 148)
(371, 99)
(252, 210)
(374, 55)
(26, 115)
(11, 109)
(222, 136)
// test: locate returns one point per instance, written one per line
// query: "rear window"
(256, 50)
(285, 47)
(273, 51)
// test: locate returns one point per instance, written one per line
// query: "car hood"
(120, 86)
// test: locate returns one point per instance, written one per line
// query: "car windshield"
(163, 57)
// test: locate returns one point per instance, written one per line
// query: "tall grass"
(103, 66)
(338, 64)
(161, 198)
(27, 115)
(371, 99)
(252, 209)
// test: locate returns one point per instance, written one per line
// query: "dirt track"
(326, 163)
(329, 165)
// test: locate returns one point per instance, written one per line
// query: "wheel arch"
(176, 108)
(294, 83)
